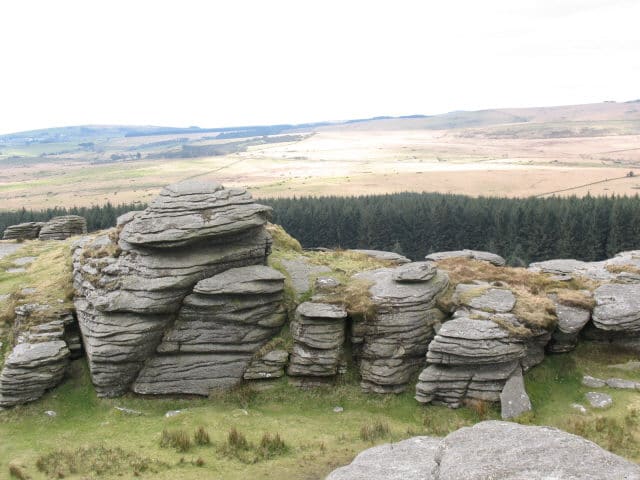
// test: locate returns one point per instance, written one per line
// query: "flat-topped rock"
(592, 382)
(23, 231)
(485, 298)
(192, 211)
(471, 254)
(384, 255)
(61, 228)
(617, 307)
(415, 272)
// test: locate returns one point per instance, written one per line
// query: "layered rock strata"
(131, 284)
(220, 326)
(23, 231)
(392, 341)
(318, 332)
(61, 228)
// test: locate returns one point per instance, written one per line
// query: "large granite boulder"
(490, 450)
(61, 228)
(391, 343)
(489, 257)
(23, 231)
(131, 285)
(318, 332)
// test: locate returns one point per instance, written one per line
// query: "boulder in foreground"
(490, 450)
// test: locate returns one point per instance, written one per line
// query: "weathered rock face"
(60, 228)
(394, 340)
(471, 254)
(491, 449)
(41, 354)
(23, 231)
(136, 301)
(318, 334)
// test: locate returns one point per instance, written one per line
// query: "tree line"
(522, 230)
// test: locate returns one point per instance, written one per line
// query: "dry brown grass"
(282, 241)
(533, 306)
(356, 298)
(623, 269)
(575, 298)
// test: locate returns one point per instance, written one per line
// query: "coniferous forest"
(415, 224)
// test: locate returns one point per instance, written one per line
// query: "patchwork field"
(563, 151)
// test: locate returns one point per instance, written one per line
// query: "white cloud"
(246, 62)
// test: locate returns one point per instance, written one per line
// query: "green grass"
(293, 433)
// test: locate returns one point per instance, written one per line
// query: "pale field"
(349, 162)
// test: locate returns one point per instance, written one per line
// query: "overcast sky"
(239, 62)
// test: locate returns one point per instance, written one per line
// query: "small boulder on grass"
(599, 400)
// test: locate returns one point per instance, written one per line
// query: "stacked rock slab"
(61, 228)
(41, 354)
(220, 326)
(392, 341)
(318, 332)
(23, 231)
(474, 355)
(130, 286)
